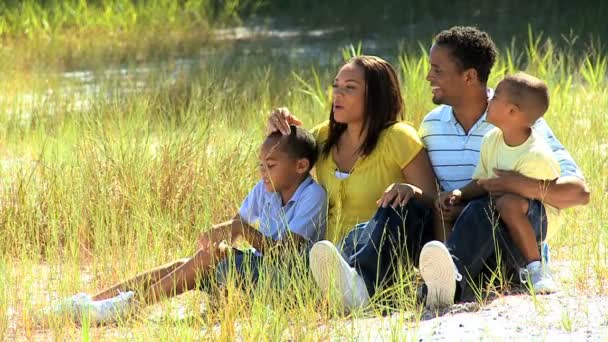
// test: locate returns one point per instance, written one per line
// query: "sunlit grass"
(96, 193)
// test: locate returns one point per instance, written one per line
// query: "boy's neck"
(514, 137)
(287, 194)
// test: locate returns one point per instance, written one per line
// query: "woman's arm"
(420, 184)
(280, 119)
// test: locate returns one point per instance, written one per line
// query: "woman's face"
(348, 98)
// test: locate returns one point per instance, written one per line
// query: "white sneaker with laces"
(334, 275)
(539, 277)
(439, 273)
(110, 310)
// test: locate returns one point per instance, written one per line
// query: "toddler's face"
(499, 106)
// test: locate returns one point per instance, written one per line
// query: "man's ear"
(302, 165)
(470, 76)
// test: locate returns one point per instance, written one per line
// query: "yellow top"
(352, 197)
(533, 159)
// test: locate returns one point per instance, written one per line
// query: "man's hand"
(448, 199)
(280, 119)
(397, 194)
(508, 182)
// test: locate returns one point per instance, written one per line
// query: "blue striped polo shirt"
(454, 153)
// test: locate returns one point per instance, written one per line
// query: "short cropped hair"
(529, 93)
(298, 144)
(472, 48)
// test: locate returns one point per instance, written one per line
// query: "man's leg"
(477, 236)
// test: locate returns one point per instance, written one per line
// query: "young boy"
(288, 205)
(518, 102)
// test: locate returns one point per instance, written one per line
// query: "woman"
(368, 157)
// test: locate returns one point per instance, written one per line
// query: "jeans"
(392, 236)
(479, 236)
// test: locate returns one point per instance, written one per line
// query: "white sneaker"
(439, 273)
(110, 310)
(539, 277)
(70, 307)
(333, 274)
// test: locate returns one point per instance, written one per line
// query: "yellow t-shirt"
(533, 159)
(353, 199)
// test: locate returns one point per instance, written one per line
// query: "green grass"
(90, 196)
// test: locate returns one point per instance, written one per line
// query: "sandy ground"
(555, 317)
(568, 315)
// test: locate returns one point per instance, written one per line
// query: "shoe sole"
(325, 261)
(437, 270)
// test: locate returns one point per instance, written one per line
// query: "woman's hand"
(397, 194)
(280, 119)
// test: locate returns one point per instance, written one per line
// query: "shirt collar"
(305, 183)
(296, 195)
(448, 112)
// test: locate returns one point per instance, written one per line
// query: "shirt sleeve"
(539, 165)
(402, 144)
(423, 131)
(251, 207)
(568, 166)
(309, 219)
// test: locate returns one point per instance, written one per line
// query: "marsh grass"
(94, 194)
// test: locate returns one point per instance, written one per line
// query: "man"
(461, 60)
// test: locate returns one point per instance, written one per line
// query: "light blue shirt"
(454, 154)
(304, 214)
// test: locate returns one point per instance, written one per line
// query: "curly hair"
(472, 48)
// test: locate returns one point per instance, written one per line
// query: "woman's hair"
(383, 105)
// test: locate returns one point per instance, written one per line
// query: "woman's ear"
(302, 166)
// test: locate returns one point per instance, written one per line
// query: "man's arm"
(563, 192)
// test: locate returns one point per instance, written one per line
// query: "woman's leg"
(390, 237)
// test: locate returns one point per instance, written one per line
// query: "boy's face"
(278, 171)
(501, 110)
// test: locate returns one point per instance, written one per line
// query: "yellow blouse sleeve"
(402, 143)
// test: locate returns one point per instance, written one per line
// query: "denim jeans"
(392, 236)
(479, 236)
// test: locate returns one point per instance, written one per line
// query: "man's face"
(445, 76)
